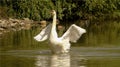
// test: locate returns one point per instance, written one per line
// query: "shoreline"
(7, 25)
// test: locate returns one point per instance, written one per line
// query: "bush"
(66, 9)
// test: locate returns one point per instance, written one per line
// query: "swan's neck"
(53, 34)
(54, 23)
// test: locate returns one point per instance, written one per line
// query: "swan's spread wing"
(43, 35)
(73, 33)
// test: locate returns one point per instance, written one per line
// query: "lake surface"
(99, 47)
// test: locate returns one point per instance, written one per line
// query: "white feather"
(44, 34)
(73, 33)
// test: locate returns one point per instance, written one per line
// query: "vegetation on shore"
(66, 9)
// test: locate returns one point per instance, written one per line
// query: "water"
(99, 47)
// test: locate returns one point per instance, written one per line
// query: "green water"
(99, 47)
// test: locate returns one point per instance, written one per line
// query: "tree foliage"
(67, 9)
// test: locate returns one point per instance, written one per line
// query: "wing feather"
(73, 33)
(44, 34)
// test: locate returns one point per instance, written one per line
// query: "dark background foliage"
(66, 9)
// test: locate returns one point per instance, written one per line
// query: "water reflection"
(78, 57)
(62, 60)
(41, 61)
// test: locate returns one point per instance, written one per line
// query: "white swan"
(59, 44)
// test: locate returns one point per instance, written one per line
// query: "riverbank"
(7, 25)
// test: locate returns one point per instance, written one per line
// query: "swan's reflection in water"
(41, 61)
(63, 60)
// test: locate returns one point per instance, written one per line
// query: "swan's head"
(53, 12)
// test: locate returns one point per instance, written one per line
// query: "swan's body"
(60, 44)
